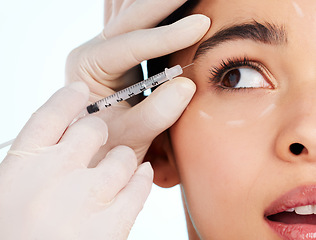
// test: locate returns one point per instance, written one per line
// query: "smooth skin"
(231, 147)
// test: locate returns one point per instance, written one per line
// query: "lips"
(293, 216)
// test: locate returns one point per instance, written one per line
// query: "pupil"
(232, 78)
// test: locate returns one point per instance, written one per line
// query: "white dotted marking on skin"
(267, 110)
(236, 123)
(298, 9)
(205, 115)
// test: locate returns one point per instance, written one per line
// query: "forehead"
(298, 17)
(232, 9)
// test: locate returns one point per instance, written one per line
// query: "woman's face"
(245, 147)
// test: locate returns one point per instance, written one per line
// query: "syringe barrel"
(173, 72)
(135, 89)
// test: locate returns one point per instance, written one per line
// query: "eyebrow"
(266, 33)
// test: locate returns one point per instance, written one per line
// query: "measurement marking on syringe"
(135, 89)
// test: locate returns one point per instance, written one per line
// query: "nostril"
(296, 148)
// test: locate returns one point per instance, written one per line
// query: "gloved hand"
(106, 64)
(47, 191)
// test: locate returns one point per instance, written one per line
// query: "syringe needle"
(187, 66)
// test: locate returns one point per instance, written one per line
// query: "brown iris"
(231, 78)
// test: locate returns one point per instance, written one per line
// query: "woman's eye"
(243, 77)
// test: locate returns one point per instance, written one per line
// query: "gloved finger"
(113, 173)
(49, 122)
(83, 139)
(112, 8)
(125, 208)
(130, 49)
(139, 14)
(159, 111)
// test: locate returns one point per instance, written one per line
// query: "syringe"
(131, 91)
(126, 93)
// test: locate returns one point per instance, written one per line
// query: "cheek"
(221, 148)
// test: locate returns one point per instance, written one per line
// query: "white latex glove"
(128, 38)
(47, 191)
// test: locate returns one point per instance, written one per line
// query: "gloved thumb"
(161, 109)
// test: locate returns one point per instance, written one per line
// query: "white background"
(35, 39)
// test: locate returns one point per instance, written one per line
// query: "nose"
(296, 139)
(297, 144)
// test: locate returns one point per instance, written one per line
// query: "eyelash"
(217, 73)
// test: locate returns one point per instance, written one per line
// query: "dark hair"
(158, 65)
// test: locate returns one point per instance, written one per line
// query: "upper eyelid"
(232, 63)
